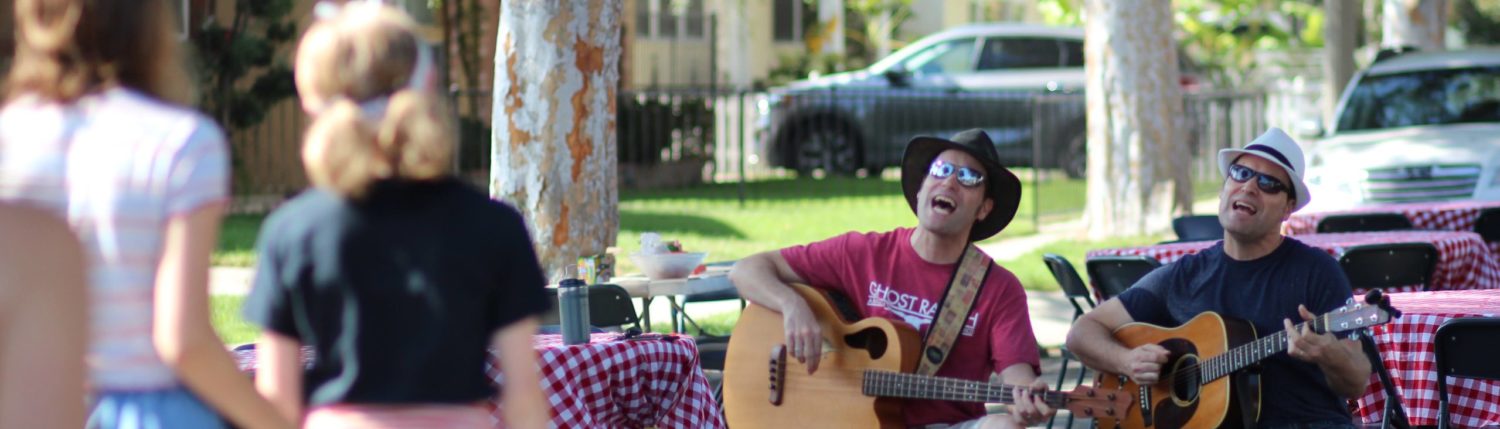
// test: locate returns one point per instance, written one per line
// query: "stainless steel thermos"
(573, 309)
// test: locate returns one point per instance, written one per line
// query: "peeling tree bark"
(1418, 23)
(553, 149)
(1138, 162)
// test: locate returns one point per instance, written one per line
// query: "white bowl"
(663, 266)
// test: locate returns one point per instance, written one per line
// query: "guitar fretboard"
(1240, 357)
(901, 385)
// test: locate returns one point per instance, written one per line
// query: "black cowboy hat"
(1000, 184)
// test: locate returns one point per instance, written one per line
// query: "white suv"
(1413, 127)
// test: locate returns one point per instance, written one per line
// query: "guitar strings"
(891, 382)
(1279, 336)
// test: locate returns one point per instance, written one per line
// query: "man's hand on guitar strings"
(804, 336)
(1143, 364)
(1030, 406)
(1306, 345)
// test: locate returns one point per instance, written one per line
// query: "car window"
(1428, 97)
(1073, 53)
(1018, 53)
(953, 56)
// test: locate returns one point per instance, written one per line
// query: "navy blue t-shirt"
(1264, 292)
(398, 293)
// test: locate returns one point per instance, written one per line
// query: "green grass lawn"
(226, 318)
(775, 214)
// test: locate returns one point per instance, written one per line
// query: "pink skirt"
(353, 416)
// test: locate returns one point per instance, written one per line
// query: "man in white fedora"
(1254, 274)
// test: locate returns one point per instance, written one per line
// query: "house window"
(643, 17)
(787, 16)
(183, 19)
(669, 19)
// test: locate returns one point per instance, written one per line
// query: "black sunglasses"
(967, 177)
(1266, 182)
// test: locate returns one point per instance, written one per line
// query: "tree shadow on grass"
(632, 220)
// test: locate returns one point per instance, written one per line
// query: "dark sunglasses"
(967, 177)
(1267, 183)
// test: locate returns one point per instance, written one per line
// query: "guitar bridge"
(778, 374)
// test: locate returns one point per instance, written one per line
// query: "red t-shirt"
(882, 275)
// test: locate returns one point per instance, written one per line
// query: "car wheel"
(831, 148)
(1076, 160)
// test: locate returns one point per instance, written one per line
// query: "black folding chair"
(1364, 222)
(1078, 295)
(1111, 275)
(1388, 265)
(611, 307)
(1198, 228)
(1465, 347)
(1488, 224)
(1394, 413)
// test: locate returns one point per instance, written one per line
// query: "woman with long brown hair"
(95, 130)
(396, 274)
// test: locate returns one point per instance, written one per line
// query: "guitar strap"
(953, 310)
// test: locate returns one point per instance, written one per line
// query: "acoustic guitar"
(1202, 385)
(865, 372)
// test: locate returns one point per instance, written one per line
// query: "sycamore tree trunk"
(1416, 23)
(1137, 160)
(831, 20)
(1340, 29)
(553, 152)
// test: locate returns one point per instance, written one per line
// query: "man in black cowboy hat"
(960, 194)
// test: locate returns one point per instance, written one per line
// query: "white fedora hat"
(1278, 148)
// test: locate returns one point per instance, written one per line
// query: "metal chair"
(1111, 275)
(1198, 228)
(1465, 347)
(610, 307)
(1388, 265)
(1487, 225)
(1364, 222)
(1075, 290)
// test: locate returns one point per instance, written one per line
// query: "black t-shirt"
(1263, 292)
(398, 293)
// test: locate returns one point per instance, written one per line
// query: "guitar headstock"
(1354, 316)
(1090, 401)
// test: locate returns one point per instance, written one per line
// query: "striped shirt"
(117, 165)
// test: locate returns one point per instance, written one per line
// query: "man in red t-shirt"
(960, 194)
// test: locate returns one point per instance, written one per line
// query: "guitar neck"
(901, 385)
(1250, 353)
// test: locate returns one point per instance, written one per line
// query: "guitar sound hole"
(1185, 379)
(872, 340)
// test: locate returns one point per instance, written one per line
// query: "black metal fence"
(686, 136)
(745, 135)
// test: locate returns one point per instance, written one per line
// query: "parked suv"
(985, 76)
(1413, 127)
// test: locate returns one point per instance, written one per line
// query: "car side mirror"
(1309, 129)
(897, 76)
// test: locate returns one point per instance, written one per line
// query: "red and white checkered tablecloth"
(650, 381)
(1464, 261)
(1406, 349)
(638, 383)
(1438, 215)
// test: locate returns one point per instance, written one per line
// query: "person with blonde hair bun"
(95, 131)
(397, 275)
